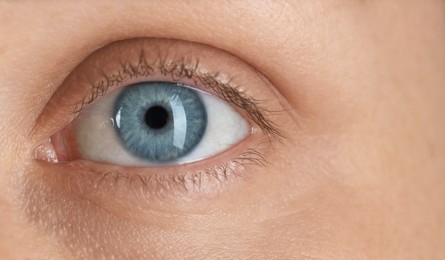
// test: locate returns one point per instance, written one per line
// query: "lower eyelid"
(159, 187)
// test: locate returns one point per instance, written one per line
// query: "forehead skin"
(368, 76)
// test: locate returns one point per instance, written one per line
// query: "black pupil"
(156, 117)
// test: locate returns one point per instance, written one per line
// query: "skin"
(361, 174)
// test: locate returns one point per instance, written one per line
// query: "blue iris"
(159, 121)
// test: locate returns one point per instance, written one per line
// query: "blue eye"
(157, 123)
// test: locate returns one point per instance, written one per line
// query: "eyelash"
(184, 69)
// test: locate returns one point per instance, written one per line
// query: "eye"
(135, 106)
(152, 123)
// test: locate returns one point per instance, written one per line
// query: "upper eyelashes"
(182, 68)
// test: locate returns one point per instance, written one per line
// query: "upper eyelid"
(179, 69)
(234, 76)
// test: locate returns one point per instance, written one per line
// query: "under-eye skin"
(126, 111)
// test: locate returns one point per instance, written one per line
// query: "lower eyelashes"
(152, 188)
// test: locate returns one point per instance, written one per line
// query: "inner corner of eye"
(46, 152)
(152, 123)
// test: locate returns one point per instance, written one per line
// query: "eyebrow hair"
(178, 69)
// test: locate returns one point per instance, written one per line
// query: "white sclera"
(97, 139)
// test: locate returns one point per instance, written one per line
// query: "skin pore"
(356, 88)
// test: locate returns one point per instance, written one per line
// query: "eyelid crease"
(184, 69)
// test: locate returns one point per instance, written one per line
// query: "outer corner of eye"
(149, 123)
